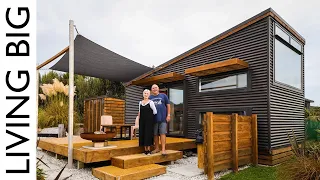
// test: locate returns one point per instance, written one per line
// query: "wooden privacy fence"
(94, 108)
(229, 141)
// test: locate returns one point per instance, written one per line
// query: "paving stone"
(187, 170)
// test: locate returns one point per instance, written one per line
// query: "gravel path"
(86, 174)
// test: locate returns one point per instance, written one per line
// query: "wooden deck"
(59, 146)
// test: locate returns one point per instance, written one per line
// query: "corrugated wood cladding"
(229, 141)
(163, 78)
(286, 105)
(217, 67)
(249, 44)
(94, 108)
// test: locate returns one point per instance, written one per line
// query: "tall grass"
(305, 164)
(54, 109)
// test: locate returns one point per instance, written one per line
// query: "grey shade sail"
(91, 59)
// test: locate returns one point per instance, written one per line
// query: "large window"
(288, 63)
(216, 84)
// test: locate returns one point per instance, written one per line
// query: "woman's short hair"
(146, 90)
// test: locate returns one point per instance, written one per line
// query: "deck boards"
(123, 147)
(141, 172)
(135, 160)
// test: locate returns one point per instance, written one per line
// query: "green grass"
(254, 173)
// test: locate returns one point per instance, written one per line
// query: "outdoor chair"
(105, 120)
(135, 128)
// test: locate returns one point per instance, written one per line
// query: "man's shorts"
(160, 128)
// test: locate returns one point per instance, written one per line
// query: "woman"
(147, 110)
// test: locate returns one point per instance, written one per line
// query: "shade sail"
(217, 67)
(163, 78)
(91, 59)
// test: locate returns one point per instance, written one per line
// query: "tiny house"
(256, 67)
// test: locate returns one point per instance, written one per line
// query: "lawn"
(254, 173)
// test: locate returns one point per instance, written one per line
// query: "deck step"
(135, 160)
(141, 172)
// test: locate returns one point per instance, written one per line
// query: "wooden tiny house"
(256, 67)
(94, 108)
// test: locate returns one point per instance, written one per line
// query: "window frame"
(224, 75)
(286, 43)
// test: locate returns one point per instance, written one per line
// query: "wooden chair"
(134, 128)
(105, 120)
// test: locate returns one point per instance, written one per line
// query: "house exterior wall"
(286, 104)
(278, 108)
(133, 96)
(249, 44)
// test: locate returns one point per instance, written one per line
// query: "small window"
(230, 82)
(295, 44)
(282, 34)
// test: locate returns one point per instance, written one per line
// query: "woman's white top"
(153, 107)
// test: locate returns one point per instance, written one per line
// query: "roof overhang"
(164, 78)
(93, 60)
(217, 67)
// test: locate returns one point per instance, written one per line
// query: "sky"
(152, 32)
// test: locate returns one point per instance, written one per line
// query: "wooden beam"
(168, 77)
(254, 132)
(217, 67)
(210, 146)
(53, 58)
(234, 142)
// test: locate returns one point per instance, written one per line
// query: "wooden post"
(234, 142)
(205, 145)
(254, 130)
(71, 95)
(200, 156)
(210, 150)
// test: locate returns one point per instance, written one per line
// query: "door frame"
(182, 84)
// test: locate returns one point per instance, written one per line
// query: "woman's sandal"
(155, 151)
(164, 154)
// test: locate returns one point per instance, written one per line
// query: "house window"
(229, 82)
(287, 59)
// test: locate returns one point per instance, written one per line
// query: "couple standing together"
(154, 114)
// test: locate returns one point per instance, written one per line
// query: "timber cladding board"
(276, 156)
(135, 160)
(217, 67)
(168, 77)
(136, 173)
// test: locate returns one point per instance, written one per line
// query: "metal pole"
(71, 96)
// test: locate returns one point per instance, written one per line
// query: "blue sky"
(152, 32)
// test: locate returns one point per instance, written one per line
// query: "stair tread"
(139, 156)
(134, 160)
(139, 172)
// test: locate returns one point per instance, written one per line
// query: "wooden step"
(134, 160)
(141, 172)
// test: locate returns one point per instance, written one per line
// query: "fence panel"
(229, 141)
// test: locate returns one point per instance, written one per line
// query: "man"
(162, 104)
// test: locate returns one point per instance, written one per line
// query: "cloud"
(152, 32)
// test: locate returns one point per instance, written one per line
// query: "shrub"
(305, 163)
(55, 109)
